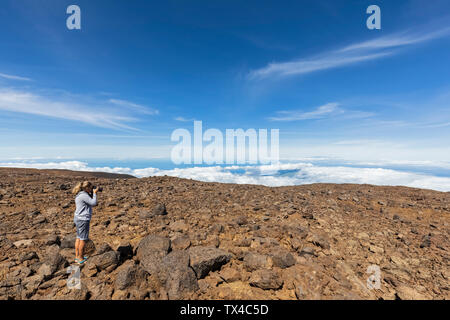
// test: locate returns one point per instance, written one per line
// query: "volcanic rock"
(180, 282)
(181, 243)
(159, 210)
(105, 261)
(150, 252)
(221, 241)
(68, 241)
(129, 274)
(254, 261)
(206, 259)
(265, 279)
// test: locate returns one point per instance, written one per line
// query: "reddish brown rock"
(320, 241)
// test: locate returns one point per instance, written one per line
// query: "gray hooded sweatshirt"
(84, 204)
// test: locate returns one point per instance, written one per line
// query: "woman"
(83, 213)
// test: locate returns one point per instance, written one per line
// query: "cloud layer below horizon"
(288, 174)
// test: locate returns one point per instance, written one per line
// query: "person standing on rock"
(85, 199)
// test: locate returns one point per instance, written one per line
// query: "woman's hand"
(95, 190)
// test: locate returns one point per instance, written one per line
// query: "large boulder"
(206, 259)
(175, 260)
(129, 274)
(52, 261)
(150, 252)
(151, 244)
(151, 262)
(106, 261)
(176, 275)
(180, 282)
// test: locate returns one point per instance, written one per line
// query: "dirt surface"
(171, 238)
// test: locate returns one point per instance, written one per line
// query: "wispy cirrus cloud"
(356, 53)
(437, 125)
(134, 106)
(183, 119)
(399, 39)
(320, 112)
(13, 77)
(325, 61)
(328, 110)
(12, 100)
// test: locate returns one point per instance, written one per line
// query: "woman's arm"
(90, 201)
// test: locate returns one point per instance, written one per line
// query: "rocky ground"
(170, 238)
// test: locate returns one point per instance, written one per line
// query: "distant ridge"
(63, 172)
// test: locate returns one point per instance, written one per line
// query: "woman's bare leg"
(80, 248)
(77, 249)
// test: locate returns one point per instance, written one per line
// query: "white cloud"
(327, 61)
(12, 77)
(361, 142)
(182, 119)
(320, 112)
(398, 40)
(325, 111)
(30, 103)
(359, 52)
(290, 174)
(407, 163)
(134, 106)
(435, 125)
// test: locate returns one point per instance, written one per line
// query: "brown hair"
(81, 186)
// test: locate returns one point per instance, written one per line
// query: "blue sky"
(139, 69)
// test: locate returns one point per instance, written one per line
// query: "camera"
(100, 189)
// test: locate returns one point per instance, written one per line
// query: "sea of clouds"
(285, 174)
